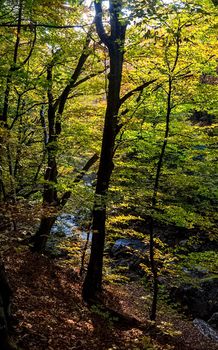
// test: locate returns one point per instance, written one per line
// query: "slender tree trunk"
(4, 114)
(171, 69)
(14, 67)
(45, 141)
(50, 198)
(19, 145)
(85, 249)
(43, 232)
(55, 111)
(2, 188)
(93, 280)
(5, 301)
(154, 202)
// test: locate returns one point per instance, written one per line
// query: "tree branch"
(31, 50)
(86, 167)
(92, 75)
(61, 100)
(45, 25)
(137, 89)
(99, 24)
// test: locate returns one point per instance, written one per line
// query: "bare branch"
(44, 25)
(33, 106)
(92, 75)
(178, 34)
(31, 50)
(137, 89)
(86, 167)
(61, 100)
(99, 24)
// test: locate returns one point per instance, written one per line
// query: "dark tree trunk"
(114, 42)
(13, 68)
(55, 111)
(43, 232)
(5, 301)
(49, 218)
(44, 127)
(154, 270)
(4, 113)
(50, 197)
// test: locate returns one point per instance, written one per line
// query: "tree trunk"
(4, 113)
(154, 203)
(55, 111)
(93, 280)
(5, 301)
(50, 197)
(43, 232)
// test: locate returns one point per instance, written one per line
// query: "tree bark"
(4, 115)
(5, 301)
(43, 232)
(171, 70)
(154, 202)
(55, 112)
(49, 218)
(115, 44)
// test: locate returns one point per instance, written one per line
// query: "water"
(66, 227)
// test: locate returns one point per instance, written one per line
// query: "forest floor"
(51, 315)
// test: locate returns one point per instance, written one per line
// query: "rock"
(197, 272)
(213, 321)
(206, 329)
(183, 243)
(60, 234)
(125, 247)
(130, 253)
(201, 300)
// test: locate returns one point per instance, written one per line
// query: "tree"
(15, 66)
(40, 96)
(115, 43)
(178, 77)
(5, 300)
(53, 204)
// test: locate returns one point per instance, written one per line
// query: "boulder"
(125, 246)
(201, 300)
(213, 321)
(197, 272)
(129, 252)
(206, 329)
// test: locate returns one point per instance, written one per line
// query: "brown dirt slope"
(51, 315)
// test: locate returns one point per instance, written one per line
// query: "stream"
(66, 228)
(66, 225)
(68, 239)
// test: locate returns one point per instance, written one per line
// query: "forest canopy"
(108, 124)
